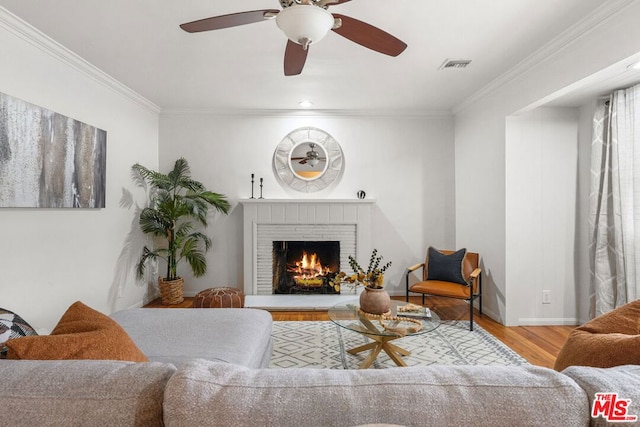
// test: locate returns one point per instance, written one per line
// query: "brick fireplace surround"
(267, 220)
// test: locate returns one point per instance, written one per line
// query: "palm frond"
(195, 257)
(201, 238)
(153, 221)
(217, 200)
(155, 179)
(147, 255)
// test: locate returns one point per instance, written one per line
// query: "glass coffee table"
(347, 315)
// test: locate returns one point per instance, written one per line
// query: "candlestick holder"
(252, 187)
(261, 189)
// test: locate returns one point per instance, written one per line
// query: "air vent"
(454, 64)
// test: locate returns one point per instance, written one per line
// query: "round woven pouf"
(219, 298)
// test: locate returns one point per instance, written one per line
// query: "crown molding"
(239, 112)
(594, 20)
(36, 38)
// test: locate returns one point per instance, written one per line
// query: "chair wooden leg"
(471, 314)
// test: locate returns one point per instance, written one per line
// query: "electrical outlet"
(546, 297)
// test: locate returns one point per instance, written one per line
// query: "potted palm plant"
(177, 205)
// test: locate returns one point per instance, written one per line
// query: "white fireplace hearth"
(267, 220)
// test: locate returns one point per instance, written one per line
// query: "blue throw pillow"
(447, 268)
(12, 326)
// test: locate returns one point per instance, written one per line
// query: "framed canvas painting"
(48, 160)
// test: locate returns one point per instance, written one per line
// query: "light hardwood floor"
(539, 345)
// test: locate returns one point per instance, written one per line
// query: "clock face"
(308, 159)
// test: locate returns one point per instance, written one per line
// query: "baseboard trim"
(551, 321)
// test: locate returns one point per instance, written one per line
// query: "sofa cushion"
(12, 326)
(202, 391)
(623, 380)
(81, 333)
(446, 267)
(82, 393)
(234, 335)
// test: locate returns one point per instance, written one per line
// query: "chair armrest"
(475, 273)
(415, 267)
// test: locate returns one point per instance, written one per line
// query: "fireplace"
(305, 267)
(347, 221)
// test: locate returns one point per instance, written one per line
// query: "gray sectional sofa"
(241, 336)
(209, 368)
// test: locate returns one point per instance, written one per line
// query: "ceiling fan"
(305, 22)
(312, 157)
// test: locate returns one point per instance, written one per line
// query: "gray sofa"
(208, 367)
(240, 336)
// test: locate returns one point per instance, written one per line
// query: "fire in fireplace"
(305, 267)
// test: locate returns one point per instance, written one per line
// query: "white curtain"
(614, 201)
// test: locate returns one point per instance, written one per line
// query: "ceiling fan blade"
(294, 58)
(335, 2)
(369, 36)
(231, 20)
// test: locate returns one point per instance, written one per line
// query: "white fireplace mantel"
(301, 212)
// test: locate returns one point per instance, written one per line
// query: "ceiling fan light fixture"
(304, 24)
(313, 156)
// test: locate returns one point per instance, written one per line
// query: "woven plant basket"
(171, 291)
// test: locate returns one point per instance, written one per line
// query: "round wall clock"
(308, 159)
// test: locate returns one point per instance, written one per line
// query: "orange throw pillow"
(81, 333)
(612, 339)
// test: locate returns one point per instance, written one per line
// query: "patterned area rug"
(325, 345)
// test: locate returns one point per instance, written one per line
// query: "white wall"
(405, 163)
(480, 209)
(541, 199)
(481, 143)
(51, 258)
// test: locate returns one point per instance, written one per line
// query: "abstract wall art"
(48, 160)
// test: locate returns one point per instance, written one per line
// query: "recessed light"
(305, 104)
(634, 66)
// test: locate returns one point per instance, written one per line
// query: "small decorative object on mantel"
(252, 176)
(374, 299)
(176, 202)
(361, 194)
(261, 180)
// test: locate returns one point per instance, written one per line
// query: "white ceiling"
(140, 44)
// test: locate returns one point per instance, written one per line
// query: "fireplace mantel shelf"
(307, 201)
